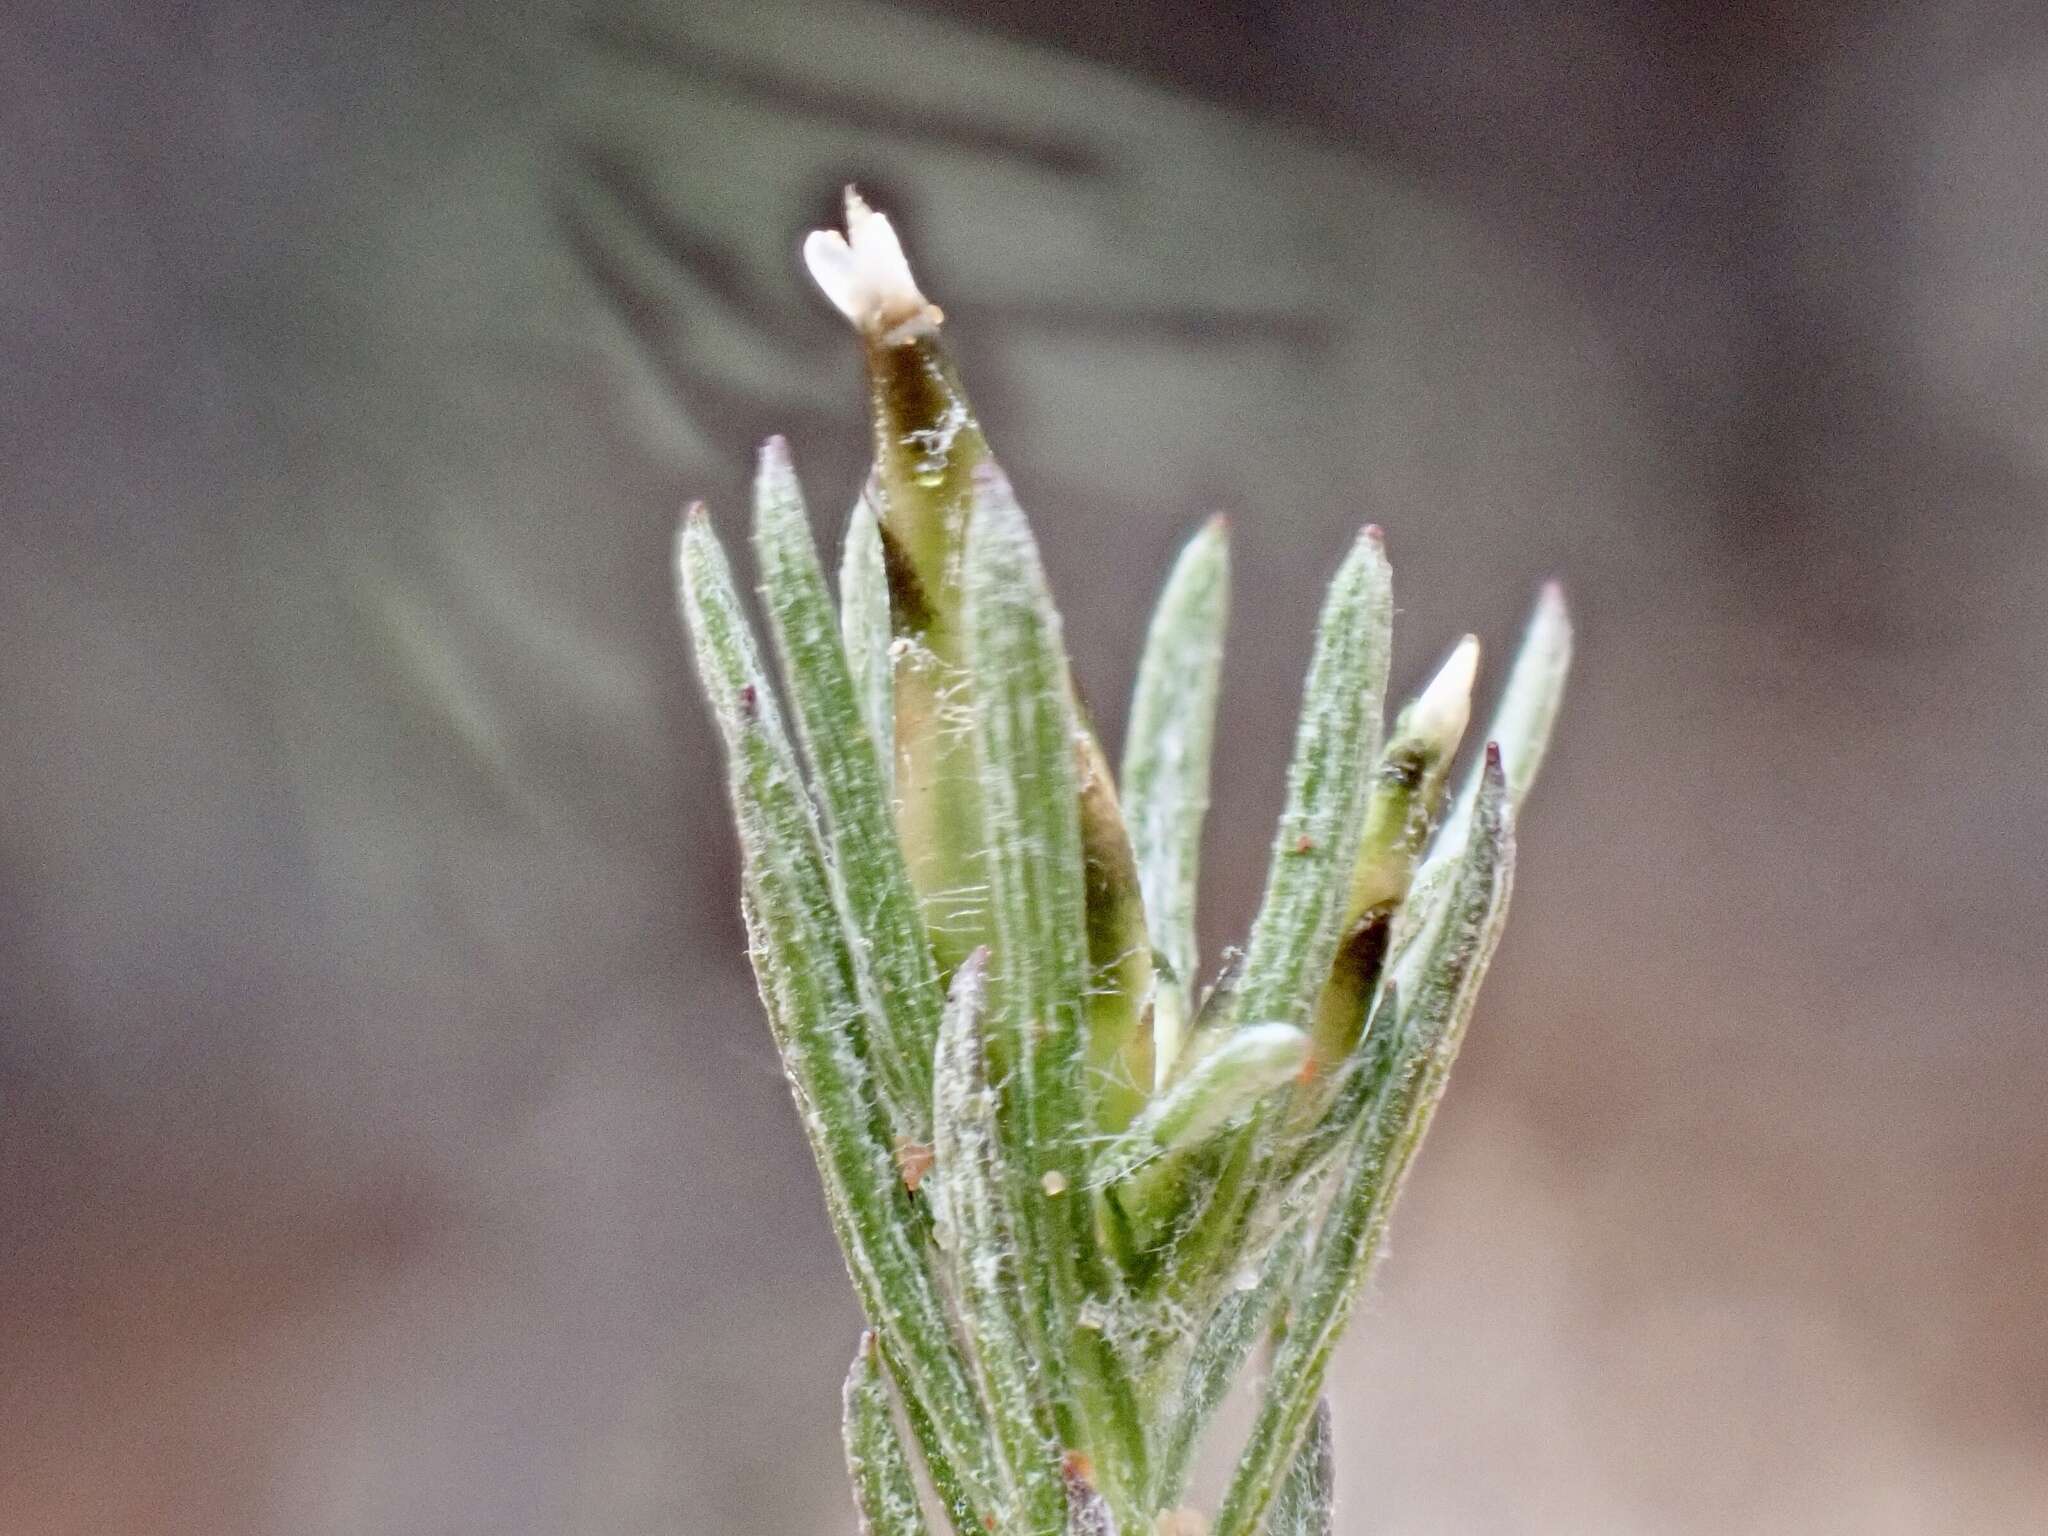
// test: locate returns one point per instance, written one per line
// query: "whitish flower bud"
(867, 277)
(1436, 721)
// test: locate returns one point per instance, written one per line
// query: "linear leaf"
(947, 1483)
(1024, 731)
(1383, 1150)
(974, 1198)
(864, 630)
(1522, 720)
(1168, 745)
(1295, 935)
(884, 1489)
(1443, 987)
(803, 961)
(903, 1016)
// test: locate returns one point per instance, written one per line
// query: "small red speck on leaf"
(913, 1161)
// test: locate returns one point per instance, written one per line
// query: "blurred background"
(389, 1137)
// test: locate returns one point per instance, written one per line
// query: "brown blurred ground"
(388, 1138)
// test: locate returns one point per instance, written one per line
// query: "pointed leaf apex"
(775, 485)
(692, 533)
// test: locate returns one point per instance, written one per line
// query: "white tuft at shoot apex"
(867, 277)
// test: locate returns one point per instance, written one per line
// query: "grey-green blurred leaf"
(808, 983)
(864, 630)
(903, 1005)
(884, 1488)
(1527, 710)
(1384, 1147)
(1442, 981)
(973, 1198)
(1169, 743)
(1307, 1502)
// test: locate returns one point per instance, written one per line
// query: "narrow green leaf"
(973, 1198)
(903, 1013)
(1384, 1149)
(1307, 1502)
(864, 630)
(1294, 937)
(1443, 983)
(1168, 745)
(1522, 721)
(813, 1000)
(1024, 737)
(1024, 731)
(884, 1489)
(947, 1483)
